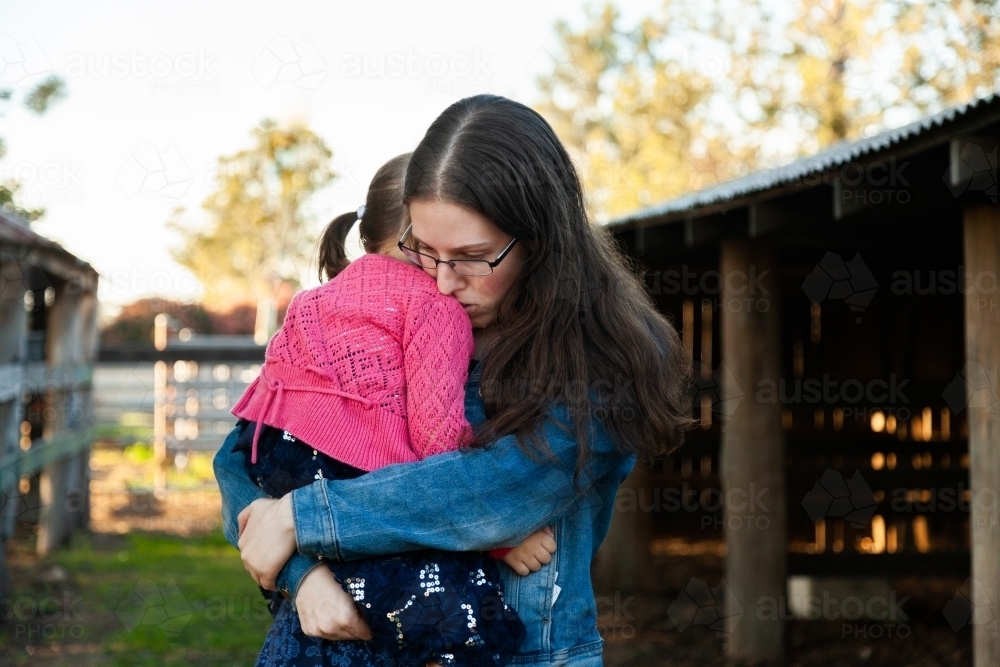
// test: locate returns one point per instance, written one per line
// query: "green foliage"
(706, 90)
(47, 92)
(259, 239)
(199, 466)
(8, 192)
(138, 452)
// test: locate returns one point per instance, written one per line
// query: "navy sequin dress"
(421, 606)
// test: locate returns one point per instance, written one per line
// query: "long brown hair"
(578, 328)
(383, 219)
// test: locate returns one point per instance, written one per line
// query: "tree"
(258, 239)
(38, 100)
(135, 322)
(707, 90)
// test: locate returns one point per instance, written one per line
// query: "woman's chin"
(480, 319)
(475, 315)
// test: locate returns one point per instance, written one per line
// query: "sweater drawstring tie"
(275, 392)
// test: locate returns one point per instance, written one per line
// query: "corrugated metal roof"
(16, 234)
(834, 156)
(14, 231)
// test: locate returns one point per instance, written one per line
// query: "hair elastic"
(361, 211)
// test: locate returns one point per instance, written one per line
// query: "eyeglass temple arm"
(503, 253)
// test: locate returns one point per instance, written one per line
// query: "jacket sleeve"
(437, 345)
(468, 500)
(238, 491)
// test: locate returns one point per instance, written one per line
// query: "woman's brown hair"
(578, 329)
(383, 219)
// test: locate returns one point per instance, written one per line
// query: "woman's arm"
(457, 501)
(238, 491)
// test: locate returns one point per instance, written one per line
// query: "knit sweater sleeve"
(437, 348)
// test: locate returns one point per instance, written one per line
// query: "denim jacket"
(467, 501)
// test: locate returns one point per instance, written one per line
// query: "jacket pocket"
(531, 597)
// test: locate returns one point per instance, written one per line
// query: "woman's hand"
(267, 538)
(325, 610)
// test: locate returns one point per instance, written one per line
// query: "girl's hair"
(578, 328)
(384, 217)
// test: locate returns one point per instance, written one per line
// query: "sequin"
(421, 606)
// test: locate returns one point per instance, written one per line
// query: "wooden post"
(13, 341)
(90, 345)
(80, 413)
(160, 429)
(982, 351)
(52, 493)
(62, 349)
(161, 338)
(752, 453)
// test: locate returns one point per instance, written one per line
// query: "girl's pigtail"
(332, 255)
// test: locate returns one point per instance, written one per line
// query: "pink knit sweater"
(378, 359)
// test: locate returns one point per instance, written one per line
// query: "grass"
(137, 599)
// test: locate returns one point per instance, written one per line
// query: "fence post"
(90, 346)
(64, 349)
(13, 341)
(160, 429)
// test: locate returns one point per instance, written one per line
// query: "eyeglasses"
(463, 267)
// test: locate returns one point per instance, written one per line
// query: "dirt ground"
(115, 509)
(641, 632)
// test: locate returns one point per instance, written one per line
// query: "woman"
(578, 375)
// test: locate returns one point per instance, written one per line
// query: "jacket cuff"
(314, 527)
(498, 554)
(292, 574)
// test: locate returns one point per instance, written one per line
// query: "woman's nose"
(448, 281)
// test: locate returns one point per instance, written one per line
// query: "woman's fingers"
(253, 575)
(268, 539)
(326, 611)
(242, 519)
(248, 568)
(268, 583)
(548, 544)
(544, 557)
(354, 625)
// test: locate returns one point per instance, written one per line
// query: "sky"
(158, 91)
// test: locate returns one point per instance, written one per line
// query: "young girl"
(368, 370)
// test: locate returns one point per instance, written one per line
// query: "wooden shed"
(48, 342)
(842, 314)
